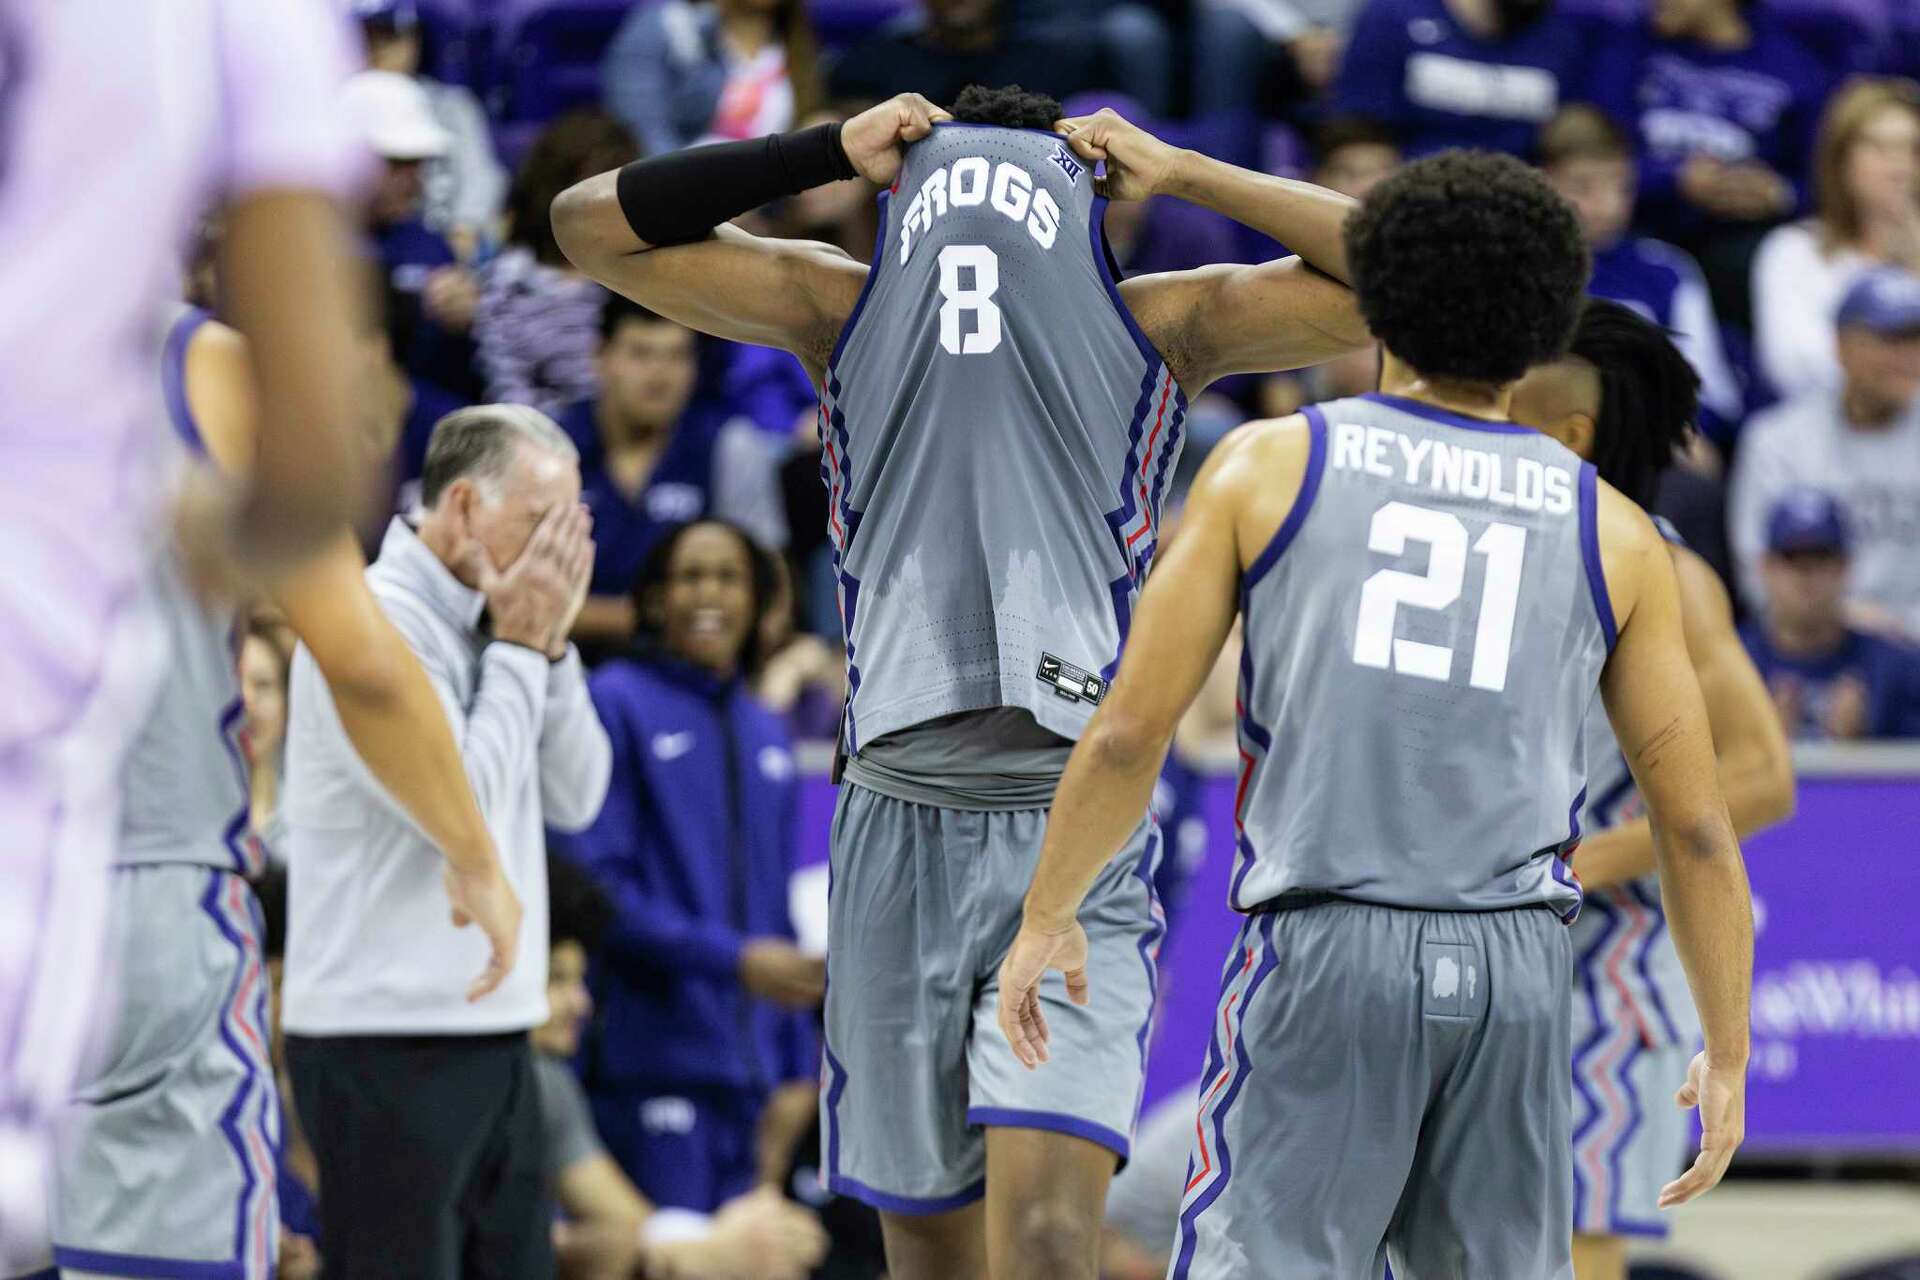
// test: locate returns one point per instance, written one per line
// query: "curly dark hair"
(1009, 106)
(1468, 266)
(1649, 396)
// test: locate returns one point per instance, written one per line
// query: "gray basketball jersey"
(1424, 635)
(997, 436)
(186, 788)
(1626, 966)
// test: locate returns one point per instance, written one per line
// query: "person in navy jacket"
(703, 1067)
(1476, 73)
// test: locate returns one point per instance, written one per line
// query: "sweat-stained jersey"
(997, 438)
(1424, 635)
(186, 780)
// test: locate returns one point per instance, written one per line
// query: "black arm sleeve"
(679, 197)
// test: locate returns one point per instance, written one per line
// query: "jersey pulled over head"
(1428, 626)
(998, 436)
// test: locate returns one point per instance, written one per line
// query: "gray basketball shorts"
(922, 905)
(1384, 1080)
(1629, 1139)
(168, 1168)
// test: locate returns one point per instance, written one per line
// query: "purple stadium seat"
(839, 23)
(549, 54)
(457, 41)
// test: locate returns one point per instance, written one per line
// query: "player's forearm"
(1104, 794)
(1759, 793)
(1617, 855)
(1305, 218)
(1703, 885)
(286, 273)
(680, 197)
(398, 726)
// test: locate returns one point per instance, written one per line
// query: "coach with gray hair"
(420, 1101)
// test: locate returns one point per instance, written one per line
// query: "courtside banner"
(1836, 1003)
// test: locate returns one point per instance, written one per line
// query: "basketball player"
(1000, 419)
(169, 1164)
(118, 122)
(1622, 398)
(1430, 595)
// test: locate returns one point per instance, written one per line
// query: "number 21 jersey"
(1424, 635)
(997, 439)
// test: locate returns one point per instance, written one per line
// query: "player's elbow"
(1703, 834)
(582, 216)
(1776, 794)
(1125, 741)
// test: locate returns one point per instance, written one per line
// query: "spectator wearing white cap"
(1828, 679)
(434, 293)
(466, 183)
(1859, 443)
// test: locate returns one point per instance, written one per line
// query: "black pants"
(431, 1156)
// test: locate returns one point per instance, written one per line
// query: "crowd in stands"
(1746, 172)
(1738, 166)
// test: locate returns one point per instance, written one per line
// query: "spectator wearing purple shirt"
(1474, 73)
(1828, 679)
(651, 462)
(1589, 161)
(1726, 106)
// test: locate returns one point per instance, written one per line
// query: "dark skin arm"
(797, 295)
(1231, 318)
(1750, 749)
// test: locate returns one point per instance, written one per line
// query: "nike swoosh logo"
(671, 746)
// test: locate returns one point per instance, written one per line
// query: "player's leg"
(900, 978)
(1599, 1257)
(1640, 1144)
(1046, 1197)
(61, 796)
(1311, 1101)
(171, 1168)
(1056, 1135)
(1491, 1192)
(936, 1246)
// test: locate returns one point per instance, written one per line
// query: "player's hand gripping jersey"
(998, 438)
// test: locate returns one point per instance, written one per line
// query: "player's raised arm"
(654, 230)
(1231, 318)
(1185, 614)
(1750, 748)
(1658, 714)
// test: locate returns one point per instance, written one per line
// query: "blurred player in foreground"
(999, 420)
(118, 123)
(1623, 397)
(169, 1163)
(1389, 1063)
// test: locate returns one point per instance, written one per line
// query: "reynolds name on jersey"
(1459, 470)
(970, 181)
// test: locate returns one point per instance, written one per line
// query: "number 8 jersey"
(997, 437)
(1424, 635)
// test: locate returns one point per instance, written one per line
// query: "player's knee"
(1052, 1239)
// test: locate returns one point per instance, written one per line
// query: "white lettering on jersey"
(1525, 484)
(966, 183)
